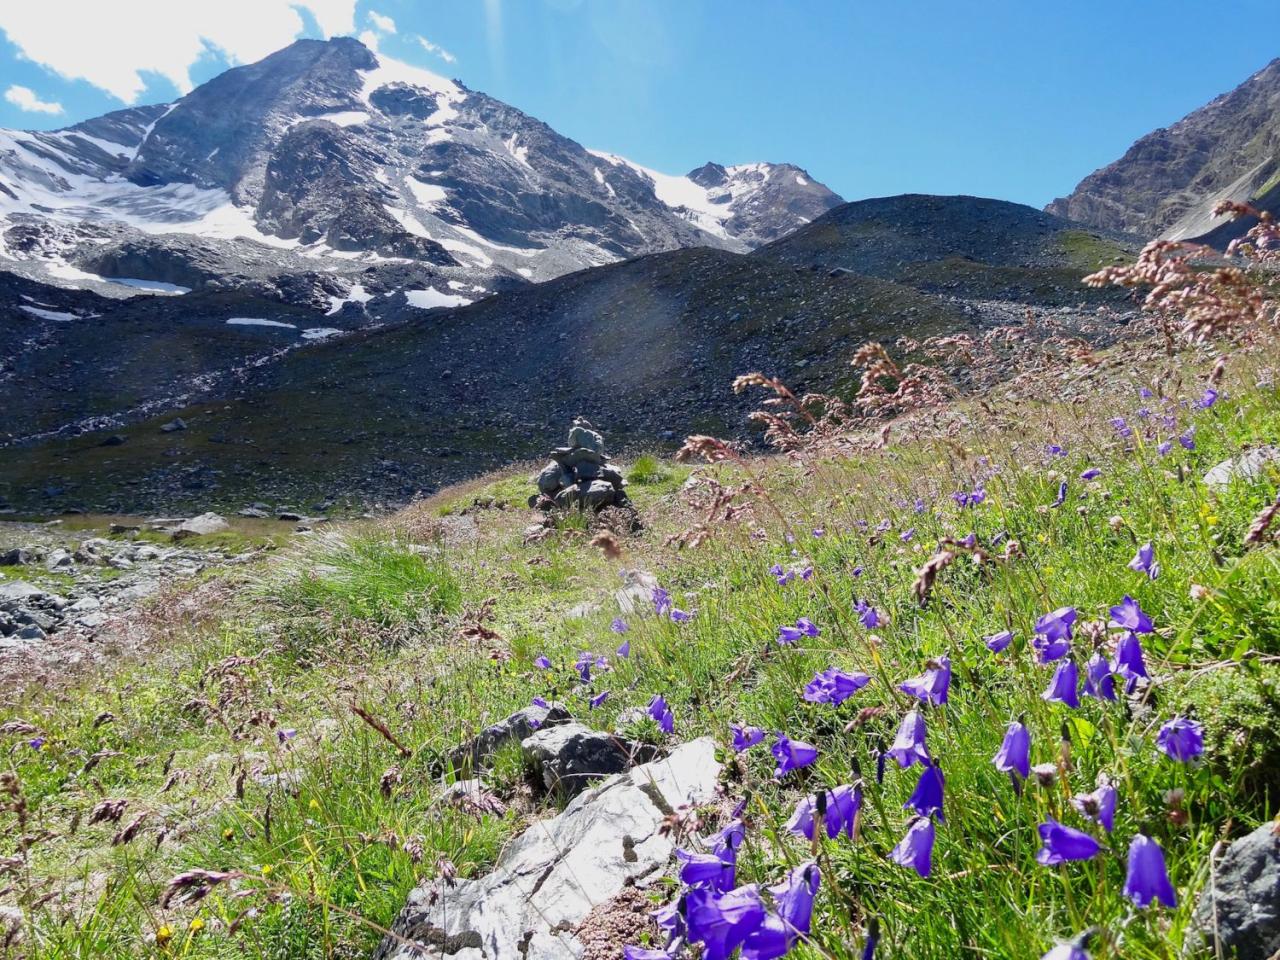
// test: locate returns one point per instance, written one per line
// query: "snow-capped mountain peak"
(326, 150)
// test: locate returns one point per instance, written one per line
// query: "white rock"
(551, 876)
(1250, 465)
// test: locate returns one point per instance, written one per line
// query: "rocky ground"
(70, 589)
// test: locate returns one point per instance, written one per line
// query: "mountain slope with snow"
(338, 156)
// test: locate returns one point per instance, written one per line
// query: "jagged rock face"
(220, 134)
(325, 146)
(1169, 181)
(765, 201)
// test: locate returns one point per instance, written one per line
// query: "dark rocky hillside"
(646, 348)
(970, 247)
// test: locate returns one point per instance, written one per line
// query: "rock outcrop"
(551, 877)
(1238, 914)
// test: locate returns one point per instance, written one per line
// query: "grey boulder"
(570, 756)
(1238, 914)
(1250, 465)
(202, 525)
(550, 877)
(476, 753)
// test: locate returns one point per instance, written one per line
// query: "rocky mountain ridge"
(330, 159)
(1169, 181)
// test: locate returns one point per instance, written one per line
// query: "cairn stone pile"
(579, 475)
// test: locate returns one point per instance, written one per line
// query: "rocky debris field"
(61, 589)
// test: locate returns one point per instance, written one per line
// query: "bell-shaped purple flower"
(1062, 843)
(1063, 688)
(1099, 806)
(1098, 681)
(842, 804)
(915, 849)
(999, 642)
(722, 921)
(585, 662)
(619, 625)
(1091, 474)
(926, 799)
(1014, 755)
(661, 601)
(1072, 949)
(631, 952)
(1148, 878)
(1128, 615)
(715, 872)
(931, 686)
(1181, 739)
(599, 698)
(662, 714)
(1144, 561)
(791, 754)
(1128, 661)
(1053, 634)
(834, 686)
(542, 663)
(908, 746)
(744, 737)
(791, 917)
(868, 615)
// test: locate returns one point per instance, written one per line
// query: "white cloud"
(112, 44)
(24, 98)
(369, 39)
(436, 50)
(382, 23)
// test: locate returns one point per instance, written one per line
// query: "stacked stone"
(579, 474)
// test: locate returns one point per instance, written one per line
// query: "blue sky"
(1017, 100)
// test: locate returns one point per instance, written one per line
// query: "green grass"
(370, 616)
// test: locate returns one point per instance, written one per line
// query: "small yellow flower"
(196, 925)
(1211, 519)
(314, 804)
(1048, 571)
(228, 834)
(266, 869)
(1042, 537)
(164, 934)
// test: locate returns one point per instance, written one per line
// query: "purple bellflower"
(791, 917)
(1128, 615)
(1064, 686)
(1098, 681)
(998, 642)
(1181, 739)
(926, 800)
(842, 806)
(791, 754)
(1053, 634)
(1148, 878)
(915, 849)
(662, 714)
(1014, 755)
(722, 921)
(1128, 661)
(868, 614)
(1099, 806)
(834, 686)
(1062, 843)
(909, 746)
(1144, 561)
(744, 738)
(932, 685)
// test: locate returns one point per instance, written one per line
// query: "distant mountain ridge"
(1169, 181)
(328, 151)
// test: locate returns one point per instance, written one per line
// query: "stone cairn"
(579, 475)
